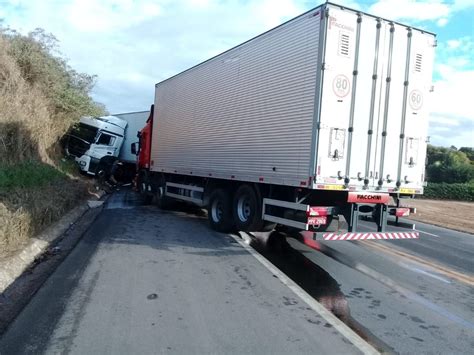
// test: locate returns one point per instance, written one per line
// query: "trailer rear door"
(366, 106)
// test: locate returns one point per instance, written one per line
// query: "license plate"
(317, 221)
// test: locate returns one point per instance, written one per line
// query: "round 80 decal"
(341, 85)
(416, 99)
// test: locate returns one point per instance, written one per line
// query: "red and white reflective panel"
(369, 236)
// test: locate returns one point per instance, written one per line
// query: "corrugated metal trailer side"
(246, 114)
(333, 99)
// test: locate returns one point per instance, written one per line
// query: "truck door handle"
(109, 153)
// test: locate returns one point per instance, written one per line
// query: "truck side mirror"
(133, 147)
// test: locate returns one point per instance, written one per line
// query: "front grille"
(77, 147)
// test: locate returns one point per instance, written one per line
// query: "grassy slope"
(32, 196)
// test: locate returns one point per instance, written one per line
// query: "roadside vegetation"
(41, 96)
(450, 173)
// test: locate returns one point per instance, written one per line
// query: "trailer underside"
(253, 207)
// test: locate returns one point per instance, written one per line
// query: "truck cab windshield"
(85, 132)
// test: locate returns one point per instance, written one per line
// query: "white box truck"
(99, 143)
(321, 119)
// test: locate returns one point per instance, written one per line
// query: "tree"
(469, 152)
(448, 165)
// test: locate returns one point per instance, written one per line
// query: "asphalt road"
(146, 281)
(413, 305)
(445, 246)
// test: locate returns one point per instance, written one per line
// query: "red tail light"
(317, 211)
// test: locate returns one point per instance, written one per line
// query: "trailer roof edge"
(325, 4)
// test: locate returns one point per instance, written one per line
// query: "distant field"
(450, 214)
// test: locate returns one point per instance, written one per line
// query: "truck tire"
(162, 201)
(219, 211)
(142, 184)
(247, 210)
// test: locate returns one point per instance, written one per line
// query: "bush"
(443, 191)
(450, 174)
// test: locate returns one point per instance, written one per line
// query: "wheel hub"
(243, 209)
(217, 211)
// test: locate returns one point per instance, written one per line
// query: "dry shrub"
(25, 120)
(26, 212)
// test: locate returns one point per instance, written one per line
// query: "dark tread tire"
(163, 202)
(142, 184)
(247, 209)
(219, 211)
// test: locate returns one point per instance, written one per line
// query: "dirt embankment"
(449, 214)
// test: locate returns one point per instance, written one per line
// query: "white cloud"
(411, 9)
(453, 93)
(452, 119)
(453, 44)
(442, 22)
(109, 15)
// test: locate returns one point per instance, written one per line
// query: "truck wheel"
(219, 211)
(142, 185)
(162, 201)
(247, 210)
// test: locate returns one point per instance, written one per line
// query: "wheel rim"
(217, 211)
(243, 209)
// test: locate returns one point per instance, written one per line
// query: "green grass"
(28, 174)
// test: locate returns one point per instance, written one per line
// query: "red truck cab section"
(145, 143)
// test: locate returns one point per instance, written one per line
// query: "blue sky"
(131, 45)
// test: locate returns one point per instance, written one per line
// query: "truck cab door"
(106, 145)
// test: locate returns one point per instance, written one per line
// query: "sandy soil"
(450, 214)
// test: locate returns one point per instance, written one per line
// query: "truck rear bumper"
(366, 236)
(312, 239)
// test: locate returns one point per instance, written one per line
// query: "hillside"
(41, 96)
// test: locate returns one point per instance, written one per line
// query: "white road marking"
(416, 230)
(433, 235)
(347, 332)
(421, 271)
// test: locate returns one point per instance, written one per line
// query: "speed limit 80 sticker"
(415, 99)
(341, 85)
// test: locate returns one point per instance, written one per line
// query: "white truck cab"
(95, 139)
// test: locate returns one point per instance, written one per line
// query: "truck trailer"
(312, 125)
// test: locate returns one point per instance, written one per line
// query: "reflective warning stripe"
(367, 236)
